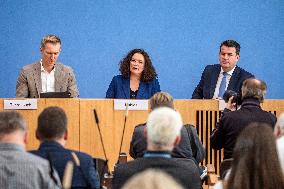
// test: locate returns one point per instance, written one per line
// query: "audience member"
(188, 141)
(279, 133)
(255, 161)
(53, 135)
(163, 134)
(138, 79)
(232, 123)
(152, 179)
(19, 169)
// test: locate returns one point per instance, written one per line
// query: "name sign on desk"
(26, 104)
(120, 104)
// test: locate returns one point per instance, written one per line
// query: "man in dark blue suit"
(227, 75)
(52, 133)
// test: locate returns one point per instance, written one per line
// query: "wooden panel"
(84, 135)
(71, 107)
(111, 126)
(30, 117)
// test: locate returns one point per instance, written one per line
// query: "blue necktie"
(223, 84)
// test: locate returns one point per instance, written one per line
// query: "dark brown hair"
(52, 123)
(231, 43)
(255, 160)
(148, 74)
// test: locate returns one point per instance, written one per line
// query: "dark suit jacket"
(182, 170)
(206, 87)
(119, 88)
(138, 145)
(232, 123)
(29, 81)
(59, 156)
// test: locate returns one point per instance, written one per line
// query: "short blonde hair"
(50, 39)
(152, 179)
(161, 99)
(163, 126)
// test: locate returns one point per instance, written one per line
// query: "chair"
(224, 167)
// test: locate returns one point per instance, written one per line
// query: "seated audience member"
(52, 133)
(226, 75)
(233, 122)
(46, 74)
(19, 169)
(163, 133)
(255, 161)
(279, 133)
(152, 179)
(138, 143)
(138, 79)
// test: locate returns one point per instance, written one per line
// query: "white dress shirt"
(47, 80)
(230, 73)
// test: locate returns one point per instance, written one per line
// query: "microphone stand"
(123, 131)
(101, 139)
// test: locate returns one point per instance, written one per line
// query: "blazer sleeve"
(22, 90)
(72, 84)
(200, 148)
(111, 89)
(198, 91)
(156, 87)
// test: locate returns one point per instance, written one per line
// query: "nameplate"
(27, 104)
(222, 104)
(120, 104)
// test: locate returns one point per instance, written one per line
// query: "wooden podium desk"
(84, 136)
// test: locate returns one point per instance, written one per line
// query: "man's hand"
(231, 106)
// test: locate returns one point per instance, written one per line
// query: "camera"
(229, 93)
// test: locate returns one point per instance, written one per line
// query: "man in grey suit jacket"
(46, 75)
(19, 169)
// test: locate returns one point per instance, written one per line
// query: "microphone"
(103, 146)
(124, 125)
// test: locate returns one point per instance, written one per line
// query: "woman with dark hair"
(138, 79)
(255, 161)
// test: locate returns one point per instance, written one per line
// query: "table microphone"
(124, 125)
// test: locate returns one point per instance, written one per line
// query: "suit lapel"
(234, 79)
(57, 78)
(37, 77)
(141, 90)
(215, 74)
(126, 87)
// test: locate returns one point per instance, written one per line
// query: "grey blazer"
(29, 81)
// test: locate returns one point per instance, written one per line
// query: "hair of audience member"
(161, 99)
(254, 88)
(231, 43)
(52, 123)
(279, 126)
(255, 160)
(11, 121)
(163, 126)
(149, 72)
(53, 39)
(152, 179)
